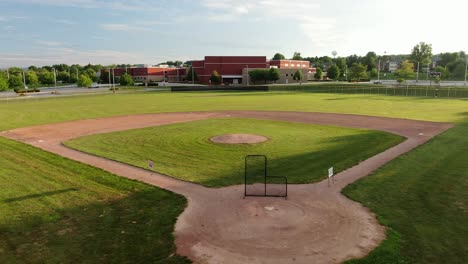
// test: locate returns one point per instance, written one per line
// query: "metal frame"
(265, 179)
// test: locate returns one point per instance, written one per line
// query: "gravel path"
(316, 224)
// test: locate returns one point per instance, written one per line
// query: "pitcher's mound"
(238, 139)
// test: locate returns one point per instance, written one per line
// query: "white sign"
(150, 164)
(330, 172)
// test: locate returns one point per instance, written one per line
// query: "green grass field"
(300, 151)
(421, 196)
(54, 210)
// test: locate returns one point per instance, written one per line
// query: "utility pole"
(346, 71)
(113, 80)
(55, 81)
(466, 68)
(417, 74)
(378, 72)
(8, 74)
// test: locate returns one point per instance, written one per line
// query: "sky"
(45, 32)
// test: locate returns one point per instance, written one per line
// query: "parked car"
(94, 85)
(377, 82)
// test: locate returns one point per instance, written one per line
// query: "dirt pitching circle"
(238, 139)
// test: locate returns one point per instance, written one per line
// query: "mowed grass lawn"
(302, 152)
(54, 210)
(421, 197)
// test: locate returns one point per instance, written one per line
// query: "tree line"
(84, 76)
(451, 65)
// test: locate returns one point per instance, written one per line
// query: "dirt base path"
(316, 224)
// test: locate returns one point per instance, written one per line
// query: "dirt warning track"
(316, 224)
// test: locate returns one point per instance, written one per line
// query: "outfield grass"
(54, 210)
(302, 152)
(421, 196)
(43, 111)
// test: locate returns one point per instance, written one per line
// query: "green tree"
(63, 76)
(189, 75)
(126, 79)
(297, 56)
(358, 72)
(15, 81)
(278, 56)
(318, 74)
(3, 84)
(31, 78)
(215, 78)
(104, 78)
(341, 63)
(91, 73)
(374, 73)
(333, 72)
(84, 81)
(443, 71)
(298, 76)
(370, 60)
(406, 70)
(46, 77)
(273, 74)
(421, 53)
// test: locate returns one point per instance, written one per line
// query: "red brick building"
(232, 69)
(145, 73)
(229, 67)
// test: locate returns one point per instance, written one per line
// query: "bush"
(21, 90)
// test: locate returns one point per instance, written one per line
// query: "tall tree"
(273, 74)
(333, 72)
(278, 56)
(370, 60)
(318, 74)
(31, 78)
(189, 75)
(406, 70)
(3, 84)
(63, 76)
(297, 56)
(421, 53)
(46, 77)
(84, 81)
(298, 76)
(15, 81)
(215, 78)
(126, 79)
(358, 72)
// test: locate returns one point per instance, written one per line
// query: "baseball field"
(76, 186)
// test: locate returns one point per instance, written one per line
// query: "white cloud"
(124, 27)
(49, 43)
(56, 55)
(319, 29)
(65, 21)
(115, 5)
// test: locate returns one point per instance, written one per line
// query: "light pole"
(110, 84)
(417, 73)
(8, 74)
(24, 81)
(55, 81)
(113, 80)
(378, 72)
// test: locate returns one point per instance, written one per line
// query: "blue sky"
(40, 32)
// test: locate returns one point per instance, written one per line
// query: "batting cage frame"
(265, 178)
